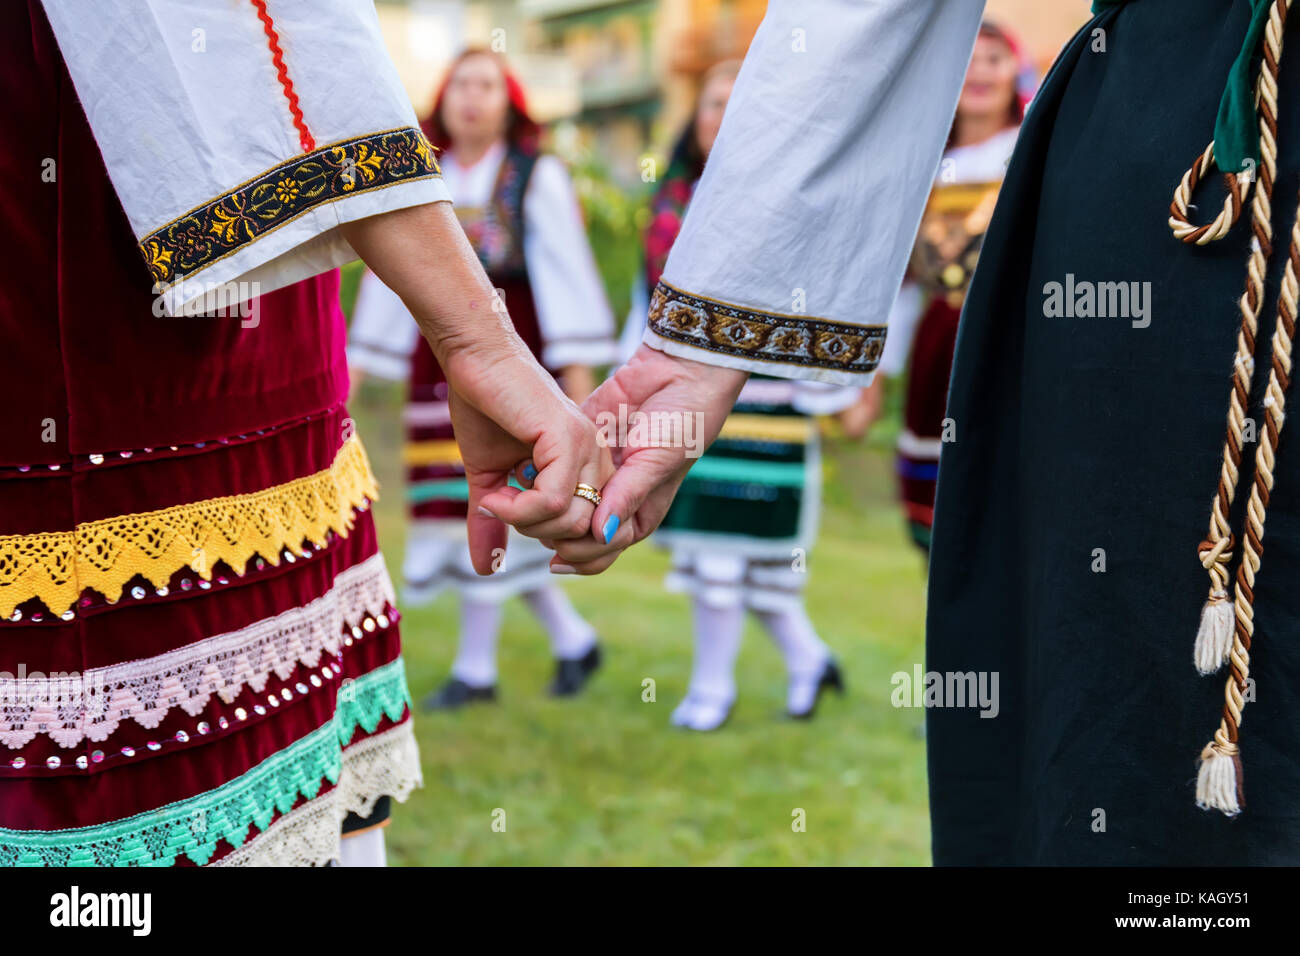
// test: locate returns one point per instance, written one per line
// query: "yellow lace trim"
(57, 566)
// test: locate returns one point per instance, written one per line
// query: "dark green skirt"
(1087, 437)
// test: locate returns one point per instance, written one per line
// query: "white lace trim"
(386, 764)
(73, 707)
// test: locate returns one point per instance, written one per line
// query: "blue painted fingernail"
(530, 471)
(610, 529)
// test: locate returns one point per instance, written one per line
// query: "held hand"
(685, 401)
(496, 429)
(504, 406)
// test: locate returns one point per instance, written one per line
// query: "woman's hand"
(671, 398)
(506, 411)
(505, 407)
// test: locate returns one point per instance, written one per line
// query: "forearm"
(421, 253)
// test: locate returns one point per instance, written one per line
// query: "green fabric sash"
(1236, 130)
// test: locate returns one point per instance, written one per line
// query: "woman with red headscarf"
(999, 81)
(522, 217)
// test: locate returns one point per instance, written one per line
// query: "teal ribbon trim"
(779, 474)
(1236, 129)
(193, 827)
(444, 489)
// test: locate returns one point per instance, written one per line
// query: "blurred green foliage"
(615, 220)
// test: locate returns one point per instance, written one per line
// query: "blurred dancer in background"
(747, 513)
(522, 217)
(923, 323)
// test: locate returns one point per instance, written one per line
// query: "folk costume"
(522, 217)
(746, 516)
(923, 322)
(199, 655)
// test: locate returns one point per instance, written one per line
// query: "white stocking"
(476, 656)
(571, 636)
(364, 849)
(805, 653)
(713, 680)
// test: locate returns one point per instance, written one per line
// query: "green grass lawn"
(604, 779)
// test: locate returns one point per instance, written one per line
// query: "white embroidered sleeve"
(573, 314)
(383, 334)
(230, 169)
(797, 237)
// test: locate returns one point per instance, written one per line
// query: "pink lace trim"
(73, 707)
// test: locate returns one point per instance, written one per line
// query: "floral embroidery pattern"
(249, 211)
(763, 336)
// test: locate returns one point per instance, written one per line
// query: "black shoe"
(830, 677)
(455, 694)
(572, 675)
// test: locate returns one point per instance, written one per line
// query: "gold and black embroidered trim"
(248, 212)
(763, 336)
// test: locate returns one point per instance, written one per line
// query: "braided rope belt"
(1226, 628)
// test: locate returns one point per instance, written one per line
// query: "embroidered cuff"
(772, 343)
(249, 232)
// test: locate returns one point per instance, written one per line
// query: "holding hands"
(505, 408)
(511, 418)
(661, 391)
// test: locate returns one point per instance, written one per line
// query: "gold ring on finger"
(586, 491)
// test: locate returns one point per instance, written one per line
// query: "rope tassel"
(1227, 627)
(1214, 637)
(1219, 781)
